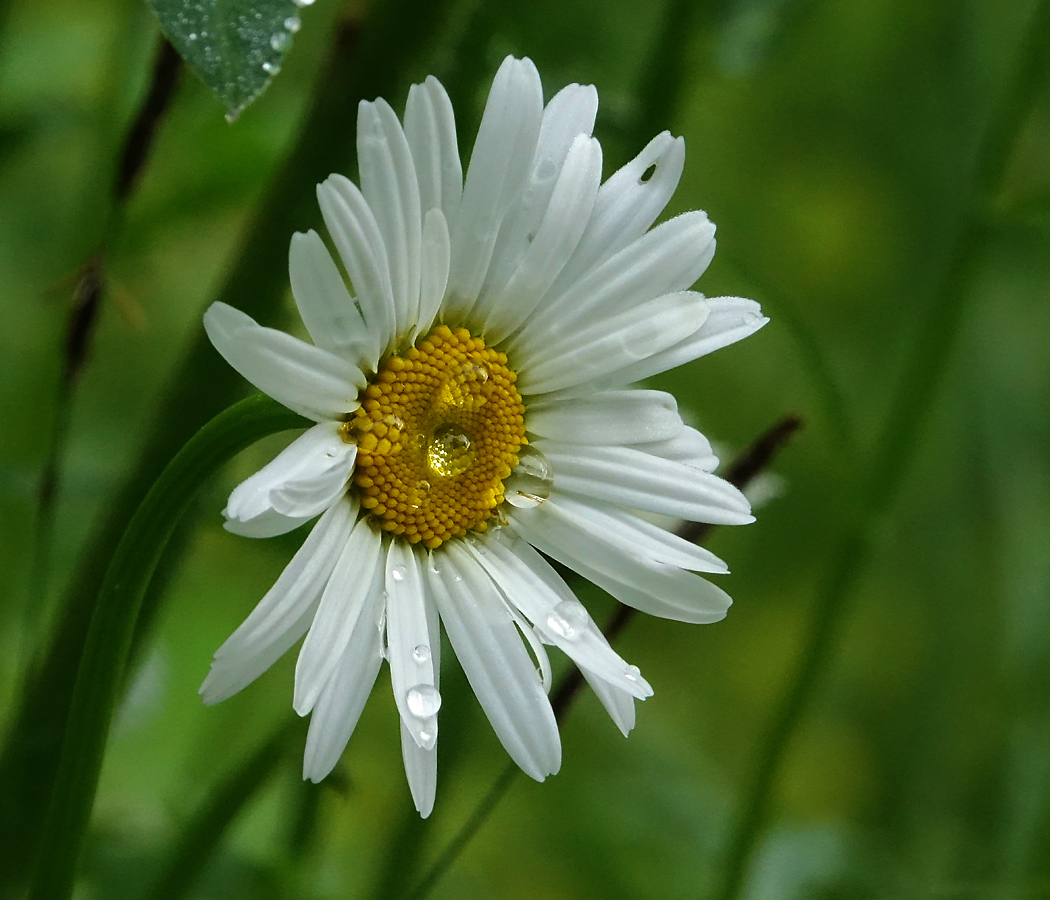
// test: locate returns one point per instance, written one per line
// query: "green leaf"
(236, 46)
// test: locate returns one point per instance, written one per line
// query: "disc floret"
(438, 430)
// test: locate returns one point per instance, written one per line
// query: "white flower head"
(474, 416)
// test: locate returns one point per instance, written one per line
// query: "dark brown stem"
(167, 67)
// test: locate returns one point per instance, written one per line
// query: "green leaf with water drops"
(235, 46)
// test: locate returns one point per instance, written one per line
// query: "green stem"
(895, 449)
(102, 665)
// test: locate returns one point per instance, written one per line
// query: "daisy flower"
(474, 418)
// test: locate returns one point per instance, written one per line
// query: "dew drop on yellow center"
(438, 431)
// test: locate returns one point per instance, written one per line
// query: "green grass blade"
(108, 643)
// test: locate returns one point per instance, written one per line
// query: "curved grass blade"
(106, 650)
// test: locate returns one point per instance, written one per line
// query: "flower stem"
(895, 449)
(103, 663)
(740, 473)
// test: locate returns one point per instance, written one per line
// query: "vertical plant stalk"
(896, 448)
(740, 473)
(366, 61)
(102, 666)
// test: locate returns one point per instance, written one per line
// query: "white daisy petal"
(548, 244)
(618, 703)
(610, 417)
(338, 708)
(328, 311)
(689, 447)
(357, 237)
(635, 536)
(308, 380)
(627, 205)
(430, 128)
(421, 771)
(388, 182)
(535, 588)
(301, 482)
(732, 319)
(496, 663)
(570, 113)
(434, 270)
(421, 764)
(665, 260)
(339, 614)
(612, 547)
(268, 523)
(535, 642)
(567, 120)
(284, 614)
(607, 346)
(499, 167)
(639, 480)
(410, 651)
(652, 587)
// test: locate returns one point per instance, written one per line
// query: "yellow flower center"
(438, 431)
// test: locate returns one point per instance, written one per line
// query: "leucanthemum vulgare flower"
(474, 417)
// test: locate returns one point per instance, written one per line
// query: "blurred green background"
(835, 144)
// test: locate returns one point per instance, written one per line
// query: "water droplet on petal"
(398, 573)
(293, 24)
(421, 654)
(531, 481)
(569, 619)
(632, 673)
(423, 701)
(425, 735)
(280, 41)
